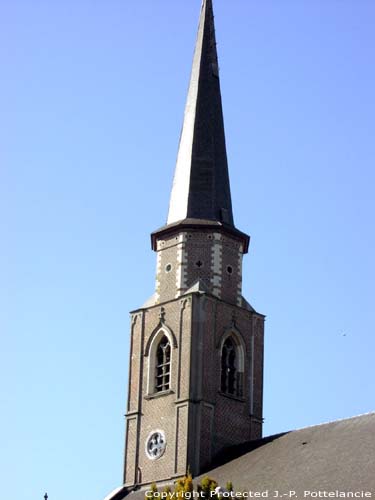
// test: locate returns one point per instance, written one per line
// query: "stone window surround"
(151, 365)
(240, 361)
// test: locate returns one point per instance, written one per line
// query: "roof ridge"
(333, 421)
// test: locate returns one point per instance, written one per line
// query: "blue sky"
(91, 104)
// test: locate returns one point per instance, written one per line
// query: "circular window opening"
(168, 268)
(229, 269)
(155, 445)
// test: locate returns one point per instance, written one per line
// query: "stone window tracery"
(163, 365)
(155, 445)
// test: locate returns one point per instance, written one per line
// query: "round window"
(155, 445)
(168, 268)
(229, 269)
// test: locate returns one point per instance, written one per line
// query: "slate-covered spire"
(201, 187)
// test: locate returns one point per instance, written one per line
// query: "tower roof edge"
(202, 225)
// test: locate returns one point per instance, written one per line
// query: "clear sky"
(91, 105)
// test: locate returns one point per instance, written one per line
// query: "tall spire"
(201, 187)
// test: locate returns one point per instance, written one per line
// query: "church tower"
(196, 356)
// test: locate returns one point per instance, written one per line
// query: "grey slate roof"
(338, 455)
(201, 183)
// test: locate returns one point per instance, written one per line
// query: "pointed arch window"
(232, 367)
(159, 352)
(163, 365)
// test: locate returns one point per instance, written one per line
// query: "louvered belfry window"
(231, 378)
(163, 365)
(228, 367)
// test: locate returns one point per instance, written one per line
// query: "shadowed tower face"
(196, 357)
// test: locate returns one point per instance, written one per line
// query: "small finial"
(162, 314)
(233, 318)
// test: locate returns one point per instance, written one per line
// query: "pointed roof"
(201, 187)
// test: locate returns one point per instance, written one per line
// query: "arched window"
(232, 367)
(163, 365)
(159, 354)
